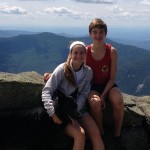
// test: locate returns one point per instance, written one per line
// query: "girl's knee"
(75, 131)
(95, 104)
(80, 134)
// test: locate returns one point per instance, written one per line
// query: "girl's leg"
(96, 109)
(92, 130)
(116, 100)
(78, 134)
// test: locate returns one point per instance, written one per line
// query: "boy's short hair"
(98, 23)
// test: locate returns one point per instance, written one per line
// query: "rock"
(19, 91)
(25, 125)
(135, 135)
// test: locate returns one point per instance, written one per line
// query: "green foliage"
(43, 52)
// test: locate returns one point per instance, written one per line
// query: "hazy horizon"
(129, 32)
(138, 36)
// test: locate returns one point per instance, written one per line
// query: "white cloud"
(32, 0)
(6, 9)
(145, 2)
(63, 11)
(120, 11)
(75, 12)
(97, 1)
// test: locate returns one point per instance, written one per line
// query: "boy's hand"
(46, 76)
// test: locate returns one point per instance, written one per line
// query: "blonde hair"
(68, 71)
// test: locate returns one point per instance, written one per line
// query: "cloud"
(63, 11)
(120, 11)
(6, 9)
(32, 0)
(145, 2)
(97, 1)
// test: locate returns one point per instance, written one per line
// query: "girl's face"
(98, 34)
(78, 54)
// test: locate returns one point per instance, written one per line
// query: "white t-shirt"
(79, 74)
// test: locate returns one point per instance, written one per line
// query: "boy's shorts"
(100, 88)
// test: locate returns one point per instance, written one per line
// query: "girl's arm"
(49, 89)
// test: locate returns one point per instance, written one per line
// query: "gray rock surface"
(25, 124)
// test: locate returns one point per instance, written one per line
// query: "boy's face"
(98, 34)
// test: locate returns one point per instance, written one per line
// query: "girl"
(67, 77)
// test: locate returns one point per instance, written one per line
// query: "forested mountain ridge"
(11, 33)
(44, 51)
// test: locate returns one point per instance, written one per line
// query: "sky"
(73, 13)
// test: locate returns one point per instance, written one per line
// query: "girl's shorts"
(82, 112)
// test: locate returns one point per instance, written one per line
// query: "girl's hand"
(56, 119)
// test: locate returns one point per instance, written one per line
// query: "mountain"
(44, 51)
(39, 52)
(144, 43)
(11, 33)
(139, 37)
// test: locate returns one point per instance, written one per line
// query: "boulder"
(25, 125)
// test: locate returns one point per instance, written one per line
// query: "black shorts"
(100, 88)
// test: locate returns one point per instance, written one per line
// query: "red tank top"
(101, 68)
